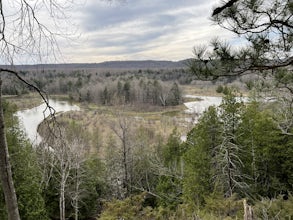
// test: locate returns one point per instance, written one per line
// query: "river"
(30, 118)
(202, 103)
(196, 108)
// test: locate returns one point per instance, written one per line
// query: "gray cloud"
(99, 15)
(141, 28)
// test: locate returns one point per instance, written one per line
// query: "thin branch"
(43, 95)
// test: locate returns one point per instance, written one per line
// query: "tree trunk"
(62, 199)
(248, 211)
(5, 170)
(125, 161)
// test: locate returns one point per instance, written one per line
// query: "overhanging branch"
(227, 5)
(43, 95)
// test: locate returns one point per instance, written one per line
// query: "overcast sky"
(107, 30)
(141, 29)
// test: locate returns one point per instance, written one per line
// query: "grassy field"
(25, 101)
(99, 122)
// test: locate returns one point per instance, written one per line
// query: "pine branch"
(227, 5)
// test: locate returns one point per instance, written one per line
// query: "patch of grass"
(172, 113)
(98, 121)
(209, 90)
(190, 99)
(25, 101)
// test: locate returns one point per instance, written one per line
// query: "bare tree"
(122, 130)
(65, 156)
(23, 34)
(228, 153)
(78, 152)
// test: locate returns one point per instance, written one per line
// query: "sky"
(141, 30)
(111, 30)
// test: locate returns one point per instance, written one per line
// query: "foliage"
(277, 208)
(27, 174)
(239, 145)
(169, 186)
(228, 152)
(198, 171)
(186, 180)
(130, 208)
(93, 187)
(223, 208)
(265, 26)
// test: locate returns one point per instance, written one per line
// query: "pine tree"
(228, 152)
(268, 153)
(199, 162)
(169, 186)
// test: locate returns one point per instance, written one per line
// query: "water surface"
(30, 118)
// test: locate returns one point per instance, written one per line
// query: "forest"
(122, 156)
(240, 150)
(105, 86)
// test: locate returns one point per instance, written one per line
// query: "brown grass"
(96, 121)
(25, 101)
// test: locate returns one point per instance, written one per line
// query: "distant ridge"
(143, 64)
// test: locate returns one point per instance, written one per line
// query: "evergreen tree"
(105, 96)
(267, 28)
(157, 90)
(199, 170)
(126, 92)
(268, 152)
(228, 153)
(27, 174)
(169, 186)
(174, 95)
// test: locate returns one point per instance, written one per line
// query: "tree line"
(106, 88)
(152, 92)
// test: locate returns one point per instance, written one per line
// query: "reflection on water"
(31, 118)
(202, 103)
(196, 108)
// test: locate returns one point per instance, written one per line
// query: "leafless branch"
(43, 95)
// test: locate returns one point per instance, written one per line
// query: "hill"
(144, 64)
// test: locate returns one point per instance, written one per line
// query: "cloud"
(100, 14)
(129, 29)
(140, 29)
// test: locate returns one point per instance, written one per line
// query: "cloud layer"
(142, 29)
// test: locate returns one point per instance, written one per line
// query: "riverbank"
(98, 121)
(26, 101)
(31, 118)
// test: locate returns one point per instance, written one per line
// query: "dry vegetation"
(98, 121)
(25, 101)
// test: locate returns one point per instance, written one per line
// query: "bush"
(278, 208)
(219, 89)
